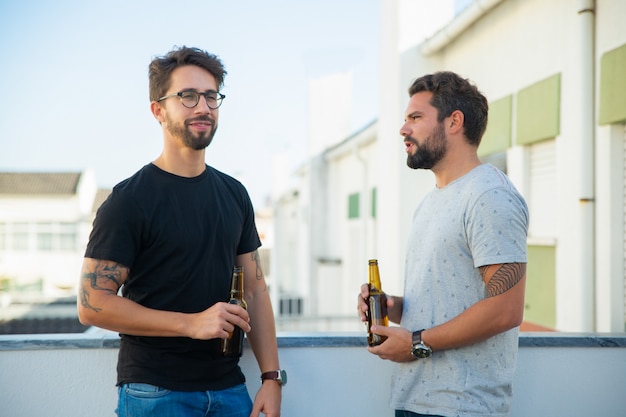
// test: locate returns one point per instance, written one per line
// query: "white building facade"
(555, 76)
(45, 220)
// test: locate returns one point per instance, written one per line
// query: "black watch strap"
(419, 349)
(417, 337)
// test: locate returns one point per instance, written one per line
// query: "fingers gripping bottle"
(232, 346)
(377, 302)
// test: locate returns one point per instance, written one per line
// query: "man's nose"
(404, 130)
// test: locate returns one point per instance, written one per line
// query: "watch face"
(420, 351)
(283, 377)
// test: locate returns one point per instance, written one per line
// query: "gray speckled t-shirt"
(478, 219)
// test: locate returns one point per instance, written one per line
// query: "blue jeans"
(404, 413)
(145, 400)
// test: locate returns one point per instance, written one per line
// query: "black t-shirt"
(179, 237)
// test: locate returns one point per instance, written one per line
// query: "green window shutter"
(538, 111)
(613, 86)
(497, 137)
(374, 203)
(353, 206)
(540, 298)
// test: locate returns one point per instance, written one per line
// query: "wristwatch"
(279, 376)
(419, 349)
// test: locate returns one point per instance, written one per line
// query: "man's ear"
(157, 112)
(455, 122)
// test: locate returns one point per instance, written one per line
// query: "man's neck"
(187, 163)
(453, 167)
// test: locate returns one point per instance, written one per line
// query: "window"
(67, 237)
(373, 203)
(19, 236)
(67, 241)
(542, 172)
(45, 241)
(291, 306)
(353, 206)
(56, 237)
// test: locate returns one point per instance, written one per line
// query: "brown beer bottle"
(377, 301)
(232, 346)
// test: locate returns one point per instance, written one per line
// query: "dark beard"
(431, 152)
(194, 141)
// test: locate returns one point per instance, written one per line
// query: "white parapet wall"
(73, 375)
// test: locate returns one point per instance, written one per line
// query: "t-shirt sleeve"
(498, 228)
(116, 231)
(250, 240)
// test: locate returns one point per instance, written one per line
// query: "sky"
(74, 79)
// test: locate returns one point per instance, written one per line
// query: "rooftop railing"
(73, 375)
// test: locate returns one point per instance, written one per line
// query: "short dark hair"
(161, 68)
(452, 92)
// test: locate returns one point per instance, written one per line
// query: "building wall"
(53, 231)
(322, 240)
(540, 65)
(513, 47)
(509, 51)
(610, 180)
(353, 232)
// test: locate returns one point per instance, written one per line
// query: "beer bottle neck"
(236, 286)
(374, 278)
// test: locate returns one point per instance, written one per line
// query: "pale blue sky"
(75, 90)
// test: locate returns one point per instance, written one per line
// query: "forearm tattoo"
(504, 278)
(107, 276)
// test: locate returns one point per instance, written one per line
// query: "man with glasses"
(169, 237)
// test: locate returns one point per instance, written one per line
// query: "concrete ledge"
(74, 375)
(109, 340)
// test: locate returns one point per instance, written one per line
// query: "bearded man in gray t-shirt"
(465, 268)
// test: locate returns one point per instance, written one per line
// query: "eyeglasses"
(191, 98)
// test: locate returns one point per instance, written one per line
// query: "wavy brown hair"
(161, 68)
(452, 92)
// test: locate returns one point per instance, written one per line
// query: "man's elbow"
(87, 316)
(83, 317)
(516, 321)
(511, 319)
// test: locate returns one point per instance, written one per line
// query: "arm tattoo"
(504, 278)
(100, 279)
(257, 261)
(259, 271)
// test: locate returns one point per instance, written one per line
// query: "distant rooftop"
(32, 183)
(101, 195)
